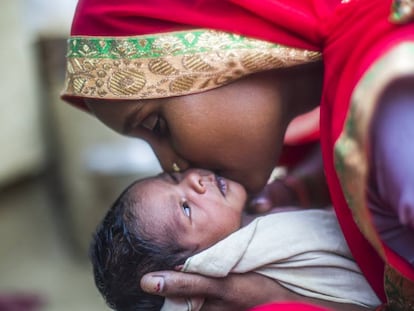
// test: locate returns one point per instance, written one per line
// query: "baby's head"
(156, 224)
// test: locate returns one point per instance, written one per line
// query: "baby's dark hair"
(122, 251)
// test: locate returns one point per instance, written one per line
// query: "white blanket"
(303, 251)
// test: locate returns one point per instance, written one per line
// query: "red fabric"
(304, 128)
(295, 23)
(350, 35)
(294, 154)
(288, 307)
(346, 59)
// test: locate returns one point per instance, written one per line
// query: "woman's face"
(236, 130)
(198, 207)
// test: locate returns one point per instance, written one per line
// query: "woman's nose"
(169, 160)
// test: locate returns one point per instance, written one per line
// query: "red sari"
(359, 36)
(353, 36)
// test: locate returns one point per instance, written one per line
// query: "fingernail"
(260, 205)
(152, 284)
(260, 201)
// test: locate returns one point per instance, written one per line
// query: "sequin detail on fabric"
(402, 11)
(399, 290)
(172, 64)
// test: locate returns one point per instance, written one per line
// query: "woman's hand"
(275, 194)
(235, 292)
(304, 186)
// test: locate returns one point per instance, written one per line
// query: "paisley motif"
(161, 67)
(182, 84)
(126, 82)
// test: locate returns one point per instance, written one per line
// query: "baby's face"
(200, 208)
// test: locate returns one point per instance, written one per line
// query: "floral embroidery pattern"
(171, 64)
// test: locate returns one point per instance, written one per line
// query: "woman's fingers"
(259, 205)
(274, 194)
(171, 283)
(234, 292)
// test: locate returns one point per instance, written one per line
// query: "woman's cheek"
(192, 146)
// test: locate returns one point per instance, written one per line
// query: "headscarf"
(127, 49)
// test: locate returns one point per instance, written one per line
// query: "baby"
(192, 221)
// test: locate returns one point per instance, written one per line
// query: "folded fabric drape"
(303, 251)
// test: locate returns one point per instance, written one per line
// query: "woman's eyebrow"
(131, 119)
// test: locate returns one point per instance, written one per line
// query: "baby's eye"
(186, 209)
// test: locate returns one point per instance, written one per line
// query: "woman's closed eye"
(186, 209)
(155, 124)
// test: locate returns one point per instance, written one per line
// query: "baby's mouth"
(221, 184)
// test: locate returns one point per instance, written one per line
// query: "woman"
(171, 86)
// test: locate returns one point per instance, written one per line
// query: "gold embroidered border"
(171, 64)
(351, 159)
(399, 290)
(402, 11)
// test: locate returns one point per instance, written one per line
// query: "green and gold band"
(169, 64)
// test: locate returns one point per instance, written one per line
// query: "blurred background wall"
(21, 141)
(60, 169)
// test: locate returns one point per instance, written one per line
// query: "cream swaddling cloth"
(302, 250)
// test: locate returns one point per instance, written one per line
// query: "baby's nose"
(207, 178)
(200, 180)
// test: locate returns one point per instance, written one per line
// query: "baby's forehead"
(148, 189)
(151, 200)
